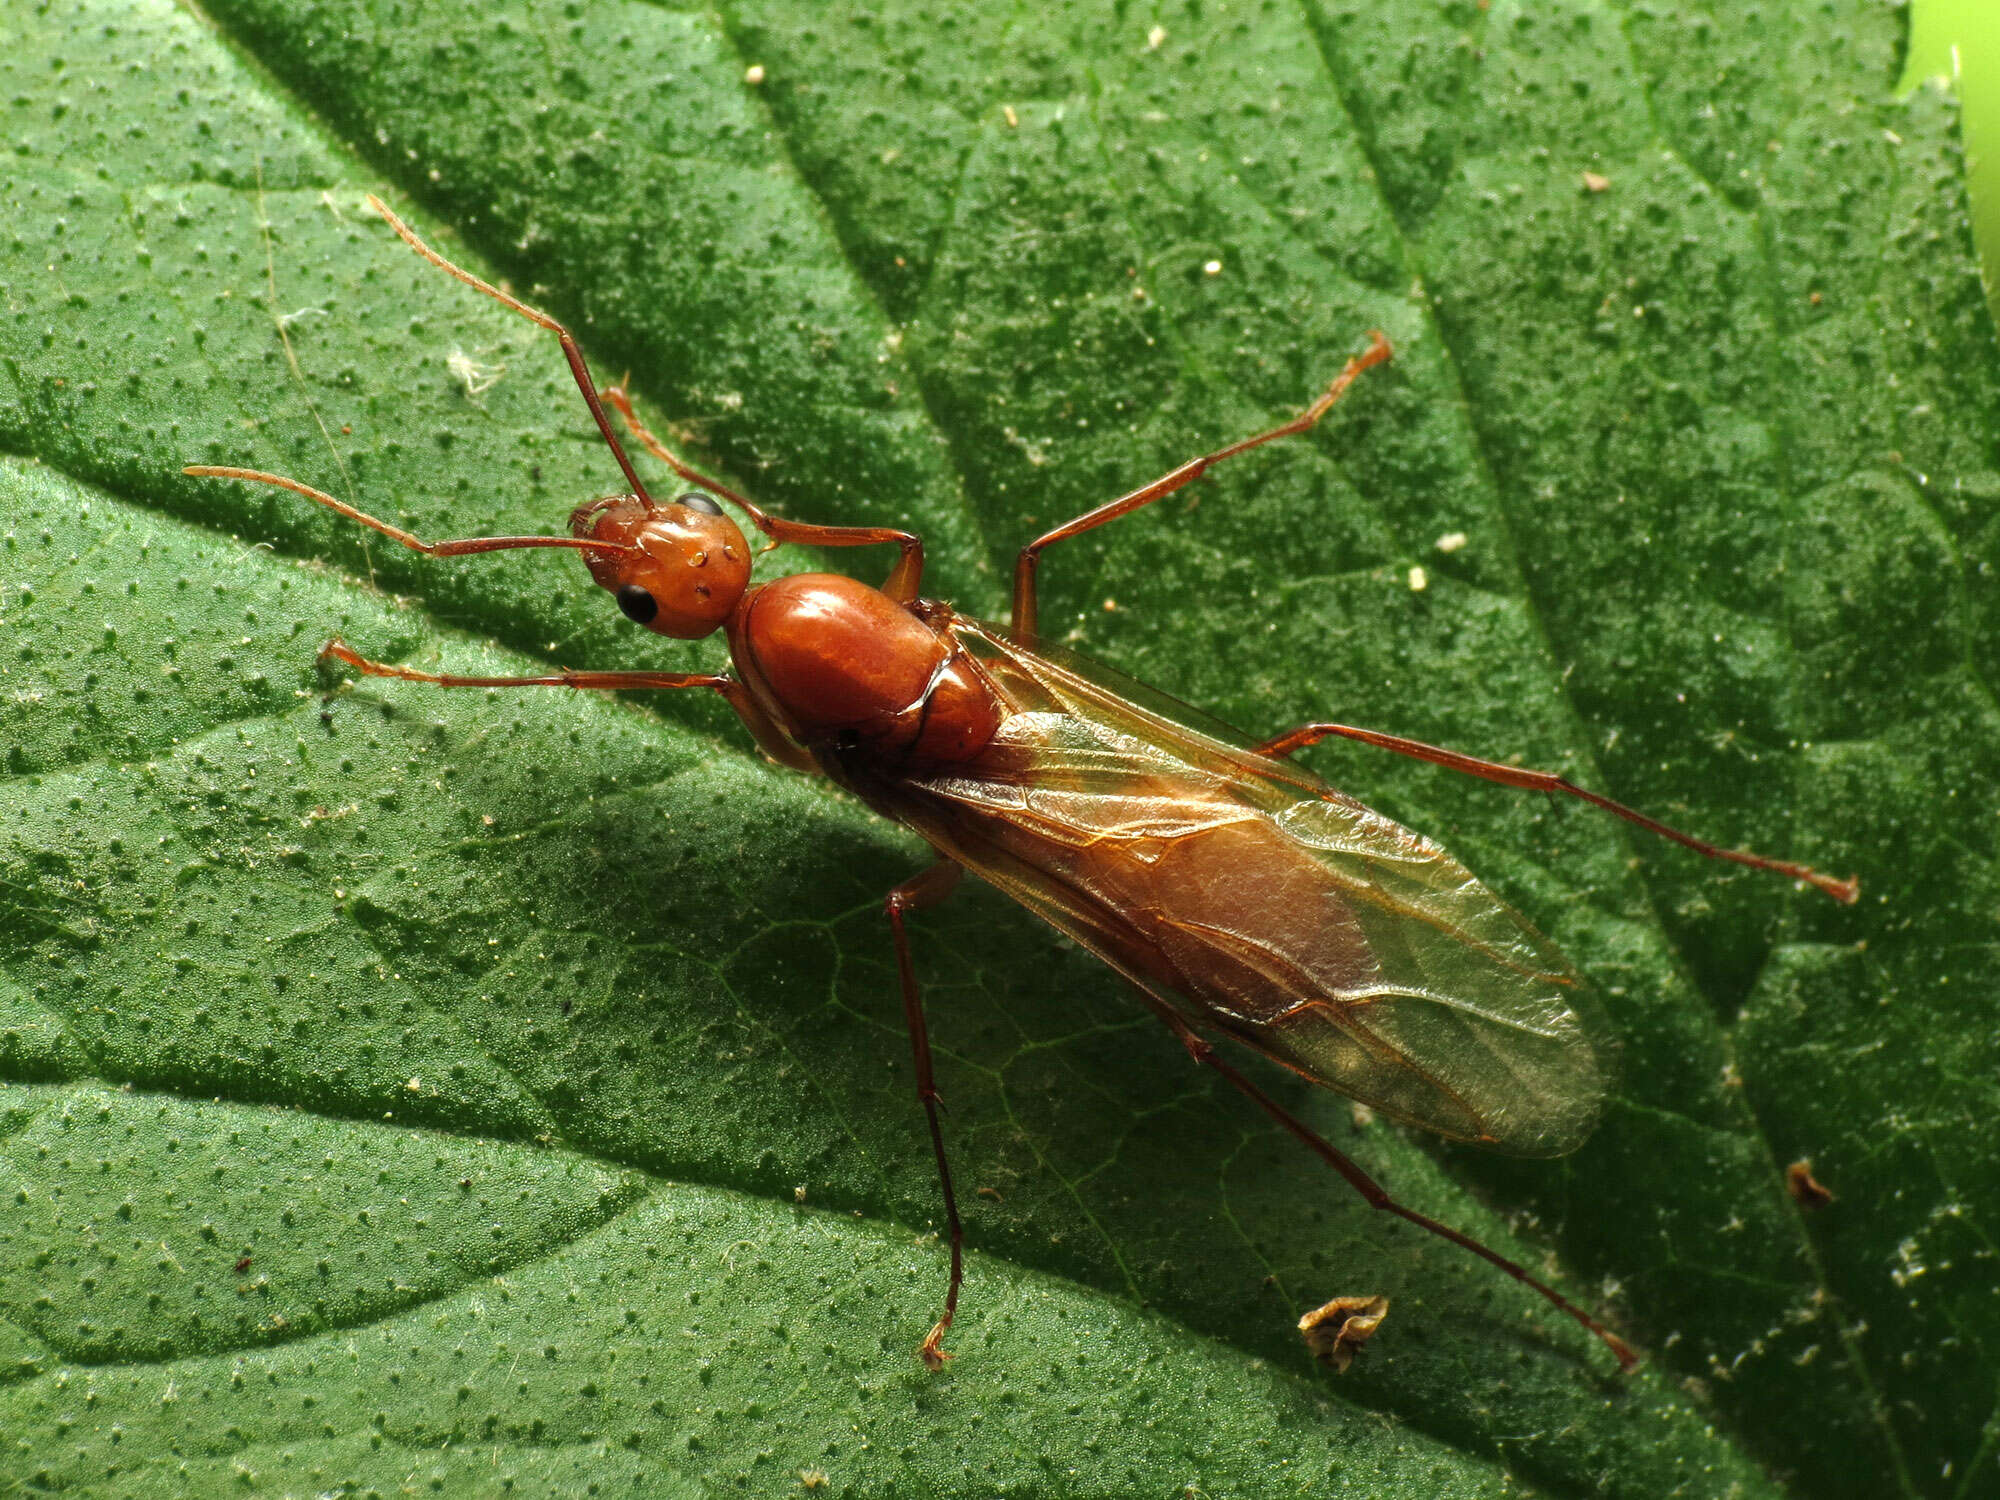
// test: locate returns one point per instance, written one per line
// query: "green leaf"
(1957, 42)
(441, 1087)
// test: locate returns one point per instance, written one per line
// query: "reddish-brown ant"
(1238, 893)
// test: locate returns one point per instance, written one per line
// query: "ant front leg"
(928, 889)
(772, 740)
(1844, 891)
(1025, 602)
(905, 580)
(769, 738)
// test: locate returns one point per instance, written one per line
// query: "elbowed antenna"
(571, 351)
(460, 548)
(905, 580)
(621, 398)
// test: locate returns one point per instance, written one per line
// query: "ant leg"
(569, 346)
(396, 533)
(1187, 473)
(905, 579)
(1203, 1051)
(1844, 891)
(770, 739)
(603, 681)
(927, 889)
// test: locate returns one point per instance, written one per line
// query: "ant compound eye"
(638, 604)
(696, 500)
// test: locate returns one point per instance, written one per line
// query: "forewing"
(1256, 900)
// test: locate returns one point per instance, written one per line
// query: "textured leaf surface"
(418, 1090)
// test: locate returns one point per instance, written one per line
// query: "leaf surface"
(423, 1084)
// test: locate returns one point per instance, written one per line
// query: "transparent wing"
(1258, 901)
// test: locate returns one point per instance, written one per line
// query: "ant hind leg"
(1844, 891)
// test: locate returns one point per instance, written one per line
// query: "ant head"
(688, 564)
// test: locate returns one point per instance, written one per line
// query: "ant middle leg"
(1025, 602)
(924, 890)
